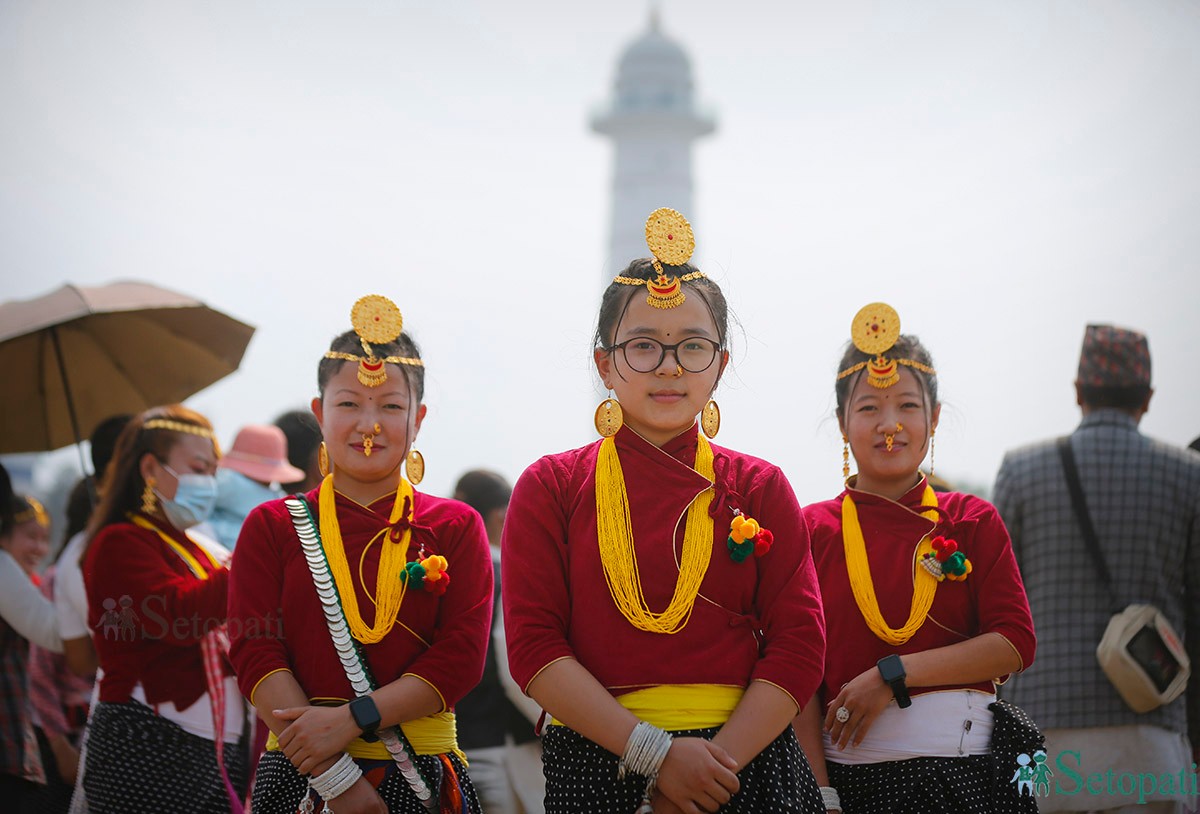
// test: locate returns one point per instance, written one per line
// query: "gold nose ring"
(899, 427)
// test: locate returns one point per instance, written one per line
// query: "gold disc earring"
(710, 419)
(414, 467)
(149, 499)
(609, 417)
(845, 457)
(323, 460)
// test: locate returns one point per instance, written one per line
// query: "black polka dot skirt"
(141, 763)
(279, 788)
(927, 785)
(581, 776)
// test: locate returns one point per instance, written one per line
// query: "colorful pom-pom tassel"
(747, 537)
(429, 574)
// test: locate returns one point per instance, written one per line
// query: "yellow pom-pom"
(750, 529)
(433, 565)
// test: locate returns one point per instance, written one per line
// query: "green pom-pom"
(413, 571)
(740, 551)
(955, 564)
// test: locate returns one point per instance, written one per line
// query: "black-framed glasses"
(644, 354)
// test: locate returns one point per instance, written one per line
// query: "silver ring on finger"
(842, 715)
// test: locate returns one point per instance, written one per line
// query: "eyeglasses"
(644, 355)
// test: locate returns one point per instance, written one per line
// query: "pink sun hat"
(260, 453)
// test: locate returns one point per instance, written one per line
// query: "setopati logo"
(1034, 778)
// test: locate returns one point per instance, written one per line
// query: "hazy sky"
(1001, 172)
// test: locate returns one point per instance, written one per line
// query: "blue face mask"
(193, 502)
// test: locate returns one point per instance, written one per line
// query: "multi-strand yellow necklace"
(619, 558)
(924, 583)
(390, 589)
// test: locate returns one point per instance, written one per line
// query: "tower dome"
(652, 120)
(654, 73)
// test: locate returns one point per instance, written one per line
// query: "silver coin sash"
(356, 668)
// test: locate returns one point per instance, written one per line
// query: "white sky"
(1001, 172)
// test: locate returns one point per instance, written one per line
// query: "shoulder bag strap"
(1079, 505)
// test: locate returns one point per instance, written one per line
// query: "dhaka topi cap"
(1114, 357)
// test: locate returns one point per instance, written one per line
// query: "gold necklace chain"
(389, 587)
(617, 555)
(859, 569)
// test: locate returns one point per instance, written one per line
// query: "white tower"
(652, 121)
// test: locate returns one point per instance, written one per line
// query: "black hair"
(103, 441)
(483, 491)
(907, 347)
(349, 342)
(303, 435)
(7, 507)
(617, 297)
(1130, 399)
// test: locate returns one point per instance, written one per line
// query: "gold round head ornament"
(378, 321)
(874, 331)
(671, 242)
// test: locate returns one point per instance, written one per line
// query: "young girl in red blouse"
(922, 595)
(659, 596)
(360, 612)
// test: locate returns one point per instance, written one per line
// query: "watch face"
(365, 713)
(891, 668)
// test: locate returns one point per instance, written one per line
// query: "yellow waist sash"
(434, 735)
(675, 707)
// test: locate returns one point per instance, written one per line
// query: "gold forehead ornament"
(670, 240)
(376, 320)
(875, 329)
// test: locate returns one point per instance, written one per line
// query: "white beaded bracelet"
(829, 797)
(335, 780)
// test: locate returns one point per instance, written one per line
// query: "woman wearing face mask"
(659, 595)
(165, 734)
(361, 611)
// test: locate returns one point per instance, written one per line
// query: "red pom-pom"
(762, 543)
(943, 547)
(439, 587)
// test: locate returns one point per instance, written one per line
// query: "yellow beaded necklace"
(388, 585)
(619, 558)
(924, 583)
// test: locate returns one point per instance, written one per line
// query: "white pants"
(509, 779)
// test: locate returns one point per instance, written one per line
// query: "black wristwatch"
(366, 716)
(892, 670)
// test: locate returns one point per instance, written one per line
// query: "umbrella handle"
(62, 373)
